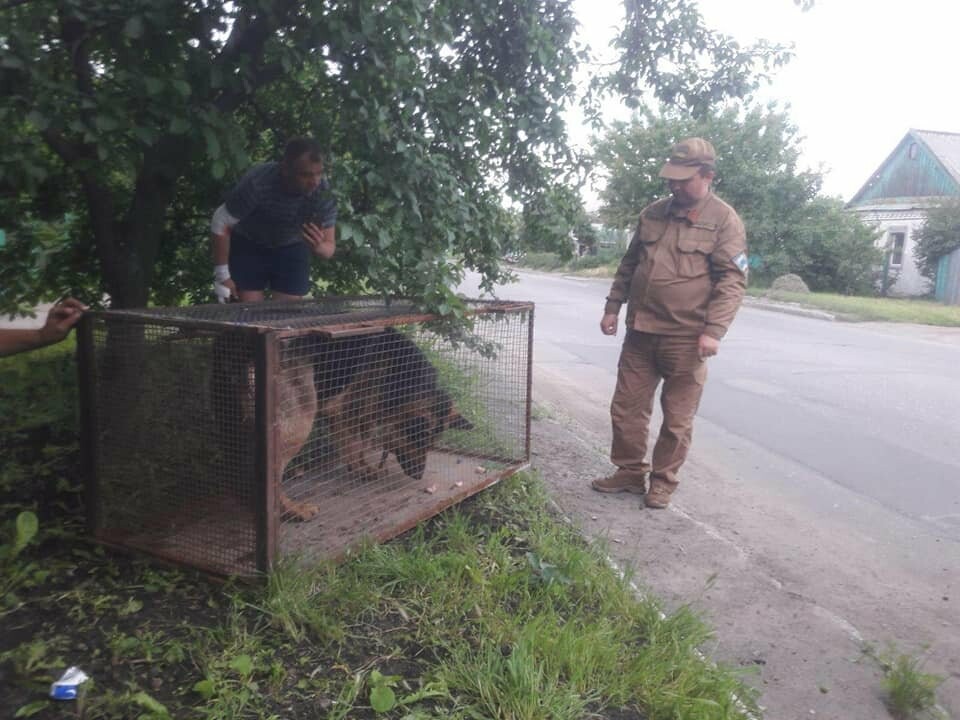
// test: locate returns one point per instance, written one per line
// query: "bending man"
(277, 217)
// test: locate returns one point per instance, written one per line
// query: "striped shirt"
(269, 215)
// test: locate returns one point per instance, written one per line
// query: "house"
(923, 169)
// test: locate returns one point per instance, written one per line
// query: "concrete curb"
(788, 308)
(748, 300)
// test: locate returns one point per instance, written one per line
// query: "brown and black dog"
(374, 392)
(381, 388)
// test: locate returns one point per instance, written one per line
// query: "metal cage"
(224, 437)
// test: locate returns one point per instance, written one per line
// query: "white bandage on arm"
(221, 273)
(222, 221)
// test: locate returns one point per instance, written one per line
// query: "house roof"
(946, 146)
(924, 164)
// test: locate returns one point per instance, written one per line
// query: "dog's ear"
(456, 421)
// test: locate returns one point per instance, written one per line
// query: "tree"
(667, 51)
(789, 228)
(830, 248)
(551, 223)
(124, 122)
(938, 236)
(136, 115)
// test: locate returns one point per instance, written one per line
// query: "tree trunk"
(129, 254)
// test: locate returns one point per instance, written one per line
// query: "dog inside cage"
(303, 430)
(376, 397)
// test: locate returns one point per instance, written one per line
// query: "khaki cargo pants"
(645, 360)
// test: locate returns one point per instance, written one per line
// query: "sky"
(863, 74)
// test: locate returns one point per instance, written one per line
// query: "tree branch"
(73, 32)
(248, 38)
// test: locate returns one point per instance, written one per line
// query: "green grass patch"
(901, 310)
(910, 693)
(603, 264)
(493, 609)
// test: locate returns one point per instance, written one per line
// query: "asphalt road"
(822, 492)
(875, 408)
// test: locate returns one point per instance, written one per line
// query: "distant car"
(513, 257)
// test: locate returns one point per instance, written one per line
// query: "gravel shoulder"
(794, 599)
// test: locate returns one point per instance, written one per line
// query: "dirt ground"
(780, 612)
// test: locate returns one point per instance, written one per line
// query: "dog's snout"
(413, 462)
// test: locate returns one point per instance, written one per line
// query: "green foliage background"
(134, 118)
(790, 226)
(126, 122)
(938, 236)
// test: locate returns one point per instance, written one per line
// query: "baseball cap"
(686, 159)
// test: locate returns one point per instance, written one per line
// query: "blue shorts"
(283, 269)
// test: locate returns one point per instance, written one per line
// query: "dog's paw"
(299, 511)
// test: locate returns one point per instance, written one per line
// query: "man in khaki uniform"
(683, 278)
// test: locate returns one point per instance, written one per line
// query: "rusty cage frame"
(183, 467)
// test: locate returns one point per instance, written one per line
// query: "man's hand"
(225, 290)
(707, 346)
(62, 316)
(223, 287)
(608, 324)
(321, 241)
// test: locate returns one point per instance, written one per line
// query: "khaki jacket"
(685, 271)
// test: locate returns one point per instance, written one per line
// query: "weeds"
(491, 609)
(17, 572)
(911, 693)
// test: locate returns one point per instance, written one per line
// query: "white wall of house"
(896, 226)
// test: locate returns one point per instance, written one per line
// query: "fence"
(948, 279)
(226, 436)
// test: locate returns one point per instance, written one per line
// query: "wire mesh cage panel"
(225, 436)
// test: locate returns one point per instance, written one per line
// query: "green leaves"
(789, 228)
(937, 237)
(179, 126)
(243, 665)
(31, 709)
(382, 697)
(105, 123)
(38, 120)
(420, 105)
(133, 28)
(16, 572)
(26, 530)
(154, 85)
(204, 688)
(154, 709)
(667, 50)
(545, 572)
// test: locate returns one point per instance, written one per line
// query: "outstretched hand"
(320, 240)
(62, 316)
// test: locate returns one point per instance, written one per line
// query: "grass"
(493, 609)
(602, 264)
(898, 310)
(910, 692)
